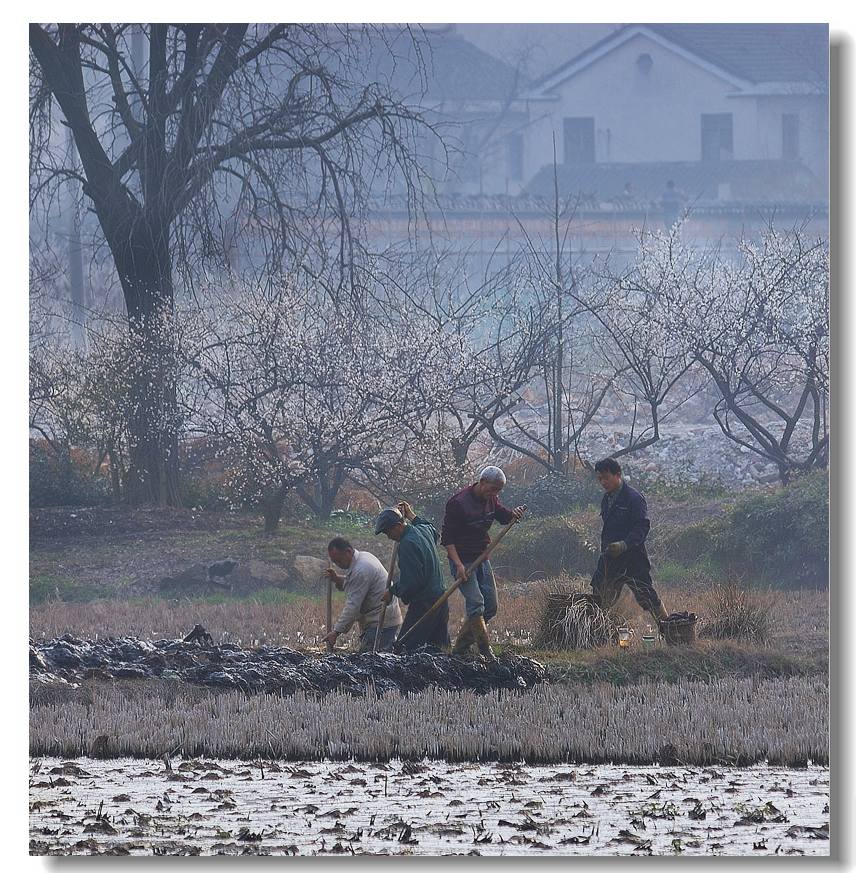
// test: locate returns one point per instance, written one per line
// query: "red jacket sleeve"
(503, 513)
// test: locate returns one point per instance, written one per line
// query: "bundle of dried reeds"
(570, 618)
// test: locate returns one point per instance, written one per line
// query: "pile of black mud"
(277, 670)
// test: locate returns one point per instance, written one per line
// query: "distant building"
(729, 112)
(735, 116)
(469, 96)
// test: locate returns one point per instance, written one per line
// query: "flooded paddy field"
(169, 748)
(221, 806)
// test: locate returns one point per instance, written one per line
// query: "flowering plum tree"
(81, 397)
(757, 323)
(650, 360)
(304, 397)
(489, 337)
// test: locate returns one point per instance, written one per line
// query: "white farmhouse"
(727, 112)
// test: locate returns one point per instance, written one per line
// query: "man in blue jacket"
(623, 559)
(420, 582)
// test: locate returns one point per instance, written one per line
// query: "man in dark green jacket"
(420, 581)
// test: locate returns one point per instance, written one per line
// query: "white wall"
(813, 112)
(656, 116)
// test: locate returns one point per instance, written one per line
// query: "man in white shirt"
(364, 584)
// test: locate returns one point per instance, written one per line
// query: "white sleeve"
(355, 594)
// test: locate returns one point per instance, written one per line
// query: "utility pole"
(558, 386)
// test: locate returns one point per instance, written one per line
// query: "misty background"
(519, 206)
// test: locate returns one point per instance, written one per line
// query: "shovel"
(329, 609)
(392, 561)
(458, 582)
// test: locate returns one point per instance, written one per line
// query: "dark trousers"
(387, 639)
(632, 569)
(432, 632)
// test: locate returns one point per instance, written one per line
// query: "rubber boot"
(482, 639)
(464, 639)
(659, 615)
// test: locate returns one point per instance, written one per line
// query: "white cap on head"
(492, 475)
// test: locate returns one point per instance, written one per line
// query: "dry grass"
(298, 621)
(800, 626)
(731, 721)
(704, 661)
(246, 622)
(731, 612)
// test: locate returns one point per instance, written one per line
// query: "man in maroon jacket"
(469, 515)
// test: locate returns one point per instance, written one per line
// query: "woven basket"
(679, 630)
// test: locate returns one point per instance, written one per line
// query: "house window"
(514, 154)
(717, 137)
(790, 136)
(644, 63)
(579, 140)
(468, 162)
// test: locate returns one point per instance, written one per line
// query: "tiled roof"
(446, 66)
(749, 181)
(753, 52)
(758, 52)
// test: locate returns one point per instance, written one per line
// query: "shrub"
(674, 486)
(62, 481)
(203, 492)
(430, 503)
(552, 546)
(545, 495)
(554, 493)
(682, 545)
(784, 534)
(779, 537)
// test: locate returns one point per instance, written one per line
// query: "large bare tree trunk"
(272, 507)
(165, 126)
(145, 272)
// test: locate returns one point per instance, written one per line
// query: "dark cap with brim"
(386, 519)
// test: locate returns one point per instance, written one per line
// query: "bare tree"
(266, 131)
(490, 339)
(651, 360)
(568, 376)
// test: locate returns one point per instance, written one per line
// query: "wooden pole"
(329, 609)
(458, 582)
(389, 576)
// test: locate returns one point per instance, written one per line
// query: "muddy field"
(206, 807)
(272, 670)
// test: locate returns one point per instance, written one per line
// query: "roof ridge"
(672, 32)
